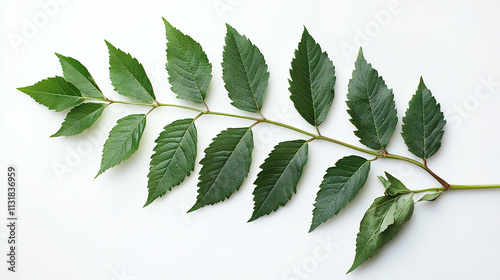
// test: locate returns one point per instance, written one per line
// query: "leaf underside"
(225, 166)
(371, 106)
(393, 186)
(128, 76)
(188, 67)
(56, 93)
(123, 141)
(380, 224)
(423, 123)
(244, 71)
(312, 79)
(174, 158)
(80, 118)
(340, 185)
(277, 181)
(79, 76)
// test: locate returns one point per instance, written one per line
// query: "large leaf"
(128, 76)
(312, 78)
(371, 106)
(78, 75)
(225, 166)
(381, 222)
(188, 67)
(173, 159)
(244, 71)
(80, 118)
(423, 123)
(277, 181)
(340, 185)
(123, 141)
(55, 93)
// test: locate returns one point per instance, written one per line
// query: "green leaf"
(173, 159)
(371, 106)
(430, 196)
(123, 141)
(128, 76)
(225, 166)
(78, 75)
(340, 185)
(80, 118)
(380, 224)
(188, 67)
(393, 186)
(312, 78)
(244, 71)
(55, 93)
(277, 181)
(423, 123)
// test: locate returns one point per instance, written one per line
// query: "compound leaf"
(80, 118)
(371, 106)
(225, 166)
(188, 67)
(123, 141)
(244, 71)
(78, 75)
(56, 93)
(380, 224)
(312, 78)
(340, 185)
(173, 159)
(423, 123)
(277, 181)
(128, 76)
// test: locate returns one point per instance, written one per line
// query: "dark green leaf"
(55, 93)
(430, 196)
(123, 141)
(188, 67)
(78, 75)
(225, 166)
(383, 220)
(393, 186)
(173, 159)
(371, 106)
(244, 71)
(80, 118)
(340, 185)
(423, 123)
(128, 76)
(312, 78)
(277, 181)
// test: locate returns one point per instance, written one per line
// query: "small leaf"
(312, 78)
(340, 185)
(173, 159)
(80, 118)
(277, 181)
(78, 75)
(55, 93)
(430, 196)
(371, 106)
(244, 71)
(225, 166)
(393, 186)
(123, 141)
(188, 67)
(128, 76)
(380, 224)
(423, 123)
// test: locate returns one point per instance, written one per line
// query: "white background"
(74, 227)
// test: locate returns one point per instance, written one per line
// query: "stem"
(313, 136)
